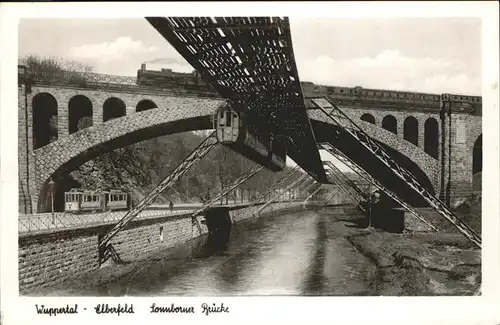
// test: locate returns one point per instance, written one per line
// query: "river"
(301, 253)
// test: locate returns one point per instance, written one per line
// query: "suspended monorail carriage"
(233, 131)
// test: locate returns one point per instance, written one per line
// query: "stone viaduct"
(63, 124)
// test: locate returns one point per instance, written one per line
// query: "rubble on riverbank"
(421, 264)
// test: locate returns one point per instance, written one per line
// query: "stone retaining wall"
(50, 258)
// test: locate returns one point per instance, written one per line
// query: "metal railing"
(46, 222)
(93, 79)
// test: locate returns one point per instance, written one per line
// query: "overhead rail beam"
(250, 62)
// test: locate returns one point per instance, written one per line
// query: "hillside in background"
(139, 167)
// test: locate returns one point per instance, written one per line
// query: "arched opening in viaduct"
(144, 105)
(113, 108)
(44, 107)
(390, 124)
(431, 137)
(61, 176)
(477, 155)
(410, 130)
(368, 118)
(79, 113)
(61, 185)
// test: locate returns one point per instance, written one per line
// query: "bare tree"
(54, 69)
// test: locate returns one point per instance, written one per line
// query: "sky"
(433, 55)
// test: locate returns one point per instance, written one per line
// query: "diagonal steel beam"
(276, 184)
(344, 179)
(350, 195)
(305, 183)
(311, 195)
(287, 203)
(242, 179)
(347, 180)
(195, 156)
(293, 184)
(343, 182)
(367, 177)
(343, 121)
(333, 195)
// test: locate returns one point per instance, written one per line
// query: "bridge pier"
(457, 143)
(219, 225)
(26, 167)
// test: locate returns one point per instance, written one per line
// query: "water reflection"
(303, 253)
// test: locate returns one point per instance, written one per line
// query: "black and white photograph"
(192, 155)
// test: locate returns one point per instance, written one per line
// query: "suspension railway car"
(77, 200)
(232, 131)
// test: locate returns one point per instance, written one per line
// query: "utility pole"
(52, 188)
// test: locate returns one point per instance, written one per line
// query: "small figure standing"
(171, 206)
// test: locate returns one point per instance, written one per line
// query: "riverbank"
(113, 276)
(419, 264)
(329, 251)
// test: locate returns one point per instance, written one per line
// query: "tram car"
(77, 200)
(232, 131)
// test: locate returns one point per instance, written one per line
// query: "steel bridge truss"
(336, 191)
(304, 185)
(367, 177)
(346, 180)
(252, 171)
(289, 187)
(313, 193)
(272, 188)
(350, 189)
(343, 121)
(195, 156)
(349, 194)
(250, 62)
(309, 181)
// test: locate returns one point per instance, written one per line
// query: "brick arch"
(427, 164)
(112, 108)
(64, 97)
(145, 104)
(177, 114)
(367, 117)
(45, 116)
(410, 130)
(431, 137)
(65, 155)
(80, 113)
(390, 123)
